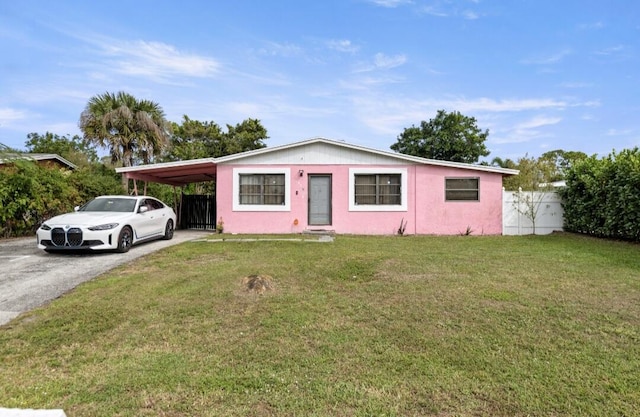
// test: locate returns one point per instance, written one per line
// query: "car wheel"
(168, 231)
(125, 239)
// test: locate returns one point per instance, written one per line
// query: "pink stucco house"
(322, 184)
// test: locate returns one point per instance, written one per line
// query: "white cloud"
(342, 45)
(382, 61)
(619, 132)
(391, 3)
(434, 11)
(576, 84)
(281, 49)
(386, 62)
(550, 59)
(509, 120)
(367, 82)
(514, 137)
(63, 128)
(470, 15)
(49, 92)
(538, 121)
(610, 51)
(517, 136)
(159, 60)
(524, 131)
(450, 8)
(510, 105)
(591, 26)
(8, 116)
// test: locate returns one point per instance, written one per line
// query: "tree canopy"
(74, 149)
(196, 139)
(449, 136)
(539, 173)
(560, 161)
(133, 130)
(534, 175)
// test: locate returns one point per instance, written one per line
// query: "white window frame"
(378, 207)
(261, 207)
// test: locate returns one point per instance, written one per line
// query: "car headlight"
(45, 226)
(107, 226)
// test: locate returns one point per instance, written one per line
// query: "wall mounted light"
(301, 172)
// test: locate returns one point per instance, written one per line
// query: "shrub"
(602, 196)
(29, 194)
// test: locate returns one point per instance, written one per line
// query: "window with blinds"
(378, 189)
(462, 189)
(262, 189)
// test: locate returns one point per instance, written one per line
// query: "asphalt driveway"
(30, 277)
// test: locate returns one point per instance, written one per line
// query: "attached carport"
(200, 209)
(177, 173)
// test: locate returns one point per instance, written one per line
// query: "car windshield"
(123, 205)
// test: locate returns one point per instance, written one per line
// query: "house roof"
(198, 170)
(38, 157)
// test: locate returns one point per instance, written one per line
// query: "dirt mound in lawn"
(257, 283)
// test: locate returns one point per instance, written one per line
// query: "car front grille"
(74, 236)
(70, 238)
(58, 237)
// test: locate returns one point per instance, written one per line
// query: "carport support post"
(125, 183)
(177, 207)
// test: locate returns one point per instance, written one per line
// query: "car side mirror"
(76, 208)
(143, 209)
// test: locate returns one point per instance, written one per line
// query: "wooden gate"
(198, 212)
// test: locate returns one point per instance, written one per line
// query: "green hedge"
(30, 193)
(602, 196)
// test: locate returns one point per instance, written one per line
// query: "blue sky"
(539, 74)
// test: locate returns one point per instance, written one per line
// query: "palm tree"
(503, 163)
(133, 130)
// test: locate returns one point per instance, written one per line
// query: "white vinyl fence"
(546, 206)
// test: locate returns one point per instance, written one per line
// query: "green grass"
(362, 326)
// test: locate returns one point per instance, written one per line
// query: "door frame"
(330, 197)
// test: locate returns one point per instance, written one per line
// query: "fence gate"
(198, 212)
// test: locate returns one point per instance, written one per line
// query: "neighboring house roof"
(555, 184)
(37, 157)
(197, 170)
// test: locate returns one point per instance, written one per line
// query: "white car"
(113, 222)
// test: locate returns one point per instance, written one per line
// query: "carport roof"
(173, 173)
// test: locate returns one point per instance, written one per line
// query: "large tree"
(133, 130)
(449, 136)
(195, 139)
(560, 161)
(539, 174)
(72, 148)
(535, 175)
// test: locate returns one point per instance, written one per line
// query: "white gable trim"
(397, 156)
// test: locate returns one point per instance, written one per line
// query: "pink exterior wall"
(427, 212)
(434, 215)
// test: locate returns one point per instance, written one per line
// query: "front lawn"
(362, 326)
